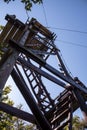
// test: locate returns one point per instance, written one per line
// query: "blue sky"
(69, 14)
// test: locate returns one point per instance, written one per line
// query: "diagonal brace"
(46, 66)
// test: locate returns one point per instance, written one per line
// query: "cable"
(44, 12)
(66, 65)
(72, 43)
(64, 29)
(70, 30)
(27, 16)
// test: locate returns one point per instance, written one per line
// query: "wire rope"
(72, 43)
(44, 12)
(70, 30)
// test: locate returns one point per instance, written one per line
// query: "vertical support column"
(6, 68)
(10, 59)
(71, 111)
(81, 102)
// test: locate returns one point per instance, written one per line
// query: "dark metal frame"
(48, 113)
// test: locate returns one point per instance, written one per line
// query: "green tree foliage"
(4, 96)
(8, 122)
(77, 123)
(1, 27)
(28, 3)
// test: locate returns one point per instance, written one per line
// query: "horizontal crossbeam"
(18, 113)
(41, 72)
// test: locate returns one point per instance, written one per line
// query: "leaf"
(7, 88)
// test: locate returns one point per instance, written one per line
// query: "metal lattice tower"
(25, 52)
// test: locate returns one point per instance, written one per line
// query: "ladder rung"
(26, 69)
(48, 106)
(62, 126)
(61, 108)
(62, 101)
(35, 86)
(29, 75)
(61, 116)
(63, 95)
(34, 78)
(43, 99)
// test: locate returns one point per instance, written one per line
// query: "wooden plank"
(19, 33)
(38, 37)
(36, 44)
(10, 34)
(61, 117)
(40, 28)
(9, 61)
(5, 31)
(13, 29)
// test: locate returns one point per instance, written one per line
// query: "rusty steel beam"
(18, 113)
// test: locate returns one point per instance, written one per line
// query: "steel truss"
(25, 52)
